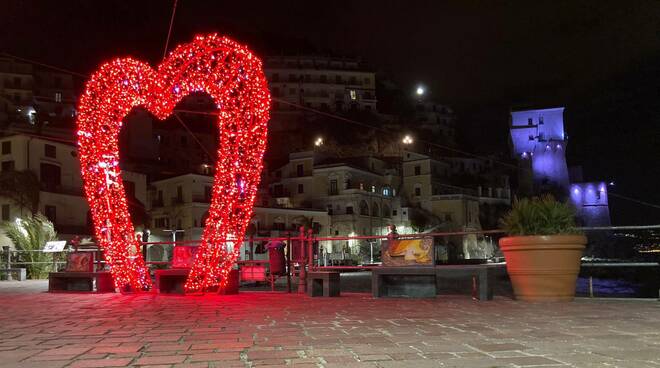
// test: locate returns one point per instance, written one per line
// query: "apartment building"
(324, 83)
(56, 169)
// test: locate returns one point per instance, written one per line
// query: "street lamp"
(318, 142)
(420, 91)
(407, 139)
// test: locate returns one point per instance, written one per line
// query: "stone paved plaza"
(260, 329)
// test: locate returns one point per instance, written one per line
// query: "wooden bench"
(20, 273)
(323, 284)
(96, 282)
(422, 282)
(410, 282)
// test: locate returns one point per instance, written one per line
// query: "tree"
(22, 187)
(29, 235)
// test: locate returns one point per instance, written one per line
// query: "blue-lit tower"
(539, 143)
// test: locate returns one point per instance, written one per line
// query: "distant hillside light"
(420, 91)
(407, 140)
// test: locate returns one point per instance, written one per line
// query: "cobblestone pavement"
(39, 329)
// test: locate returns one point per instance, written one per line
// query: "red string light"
(234, 78)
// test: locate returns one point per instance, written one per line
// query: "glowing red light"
(234, 78)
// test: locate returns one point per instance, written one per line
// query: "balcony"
(201, 199)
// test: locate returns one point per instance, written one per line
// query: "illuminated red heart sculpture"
(234, 78)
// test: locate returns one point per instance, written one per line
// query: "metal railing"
(618, 261)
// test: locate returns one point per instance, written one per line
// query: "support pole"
(7, 250)
(288, 262)
(302, 275)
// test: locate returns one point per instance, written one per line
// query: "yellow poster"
(408, 252)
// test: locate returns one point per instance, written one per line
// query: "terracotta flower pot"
(543, 268)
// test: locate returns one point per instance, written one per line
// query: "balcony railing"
(201, 199)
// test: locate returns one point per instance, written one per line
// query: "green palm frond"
(29, 235)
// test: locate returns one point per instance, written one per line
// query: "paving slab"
(261, 329)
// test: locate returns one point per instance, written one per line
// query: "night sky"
(600, 59)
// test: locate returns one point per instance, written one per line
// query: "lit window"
(353, 95)
(58, 97)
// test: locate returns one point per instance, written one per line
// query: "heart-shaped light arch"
(234, 78)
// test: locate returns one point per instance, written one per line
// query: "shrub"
(540, 216)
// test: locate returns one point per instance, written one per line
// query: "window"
(58, 96)
(184, 140)
(279, 226)
(162, 223)
(129, 188)
(373, 189)
(51, 213)
(418, 170)
(276, 91)
(540, 120)
(323, 78)
(50, 176)
(300, 170)
(338, 79)
(7, 165)
(178, 224)
(5, 212)
(353, 94)
(530, 121)
(179, 194)
(301, 188)
(292, 91)
(329, 209)
(367, 81)
(349, 210)
(275, 77)
(6, 147)
(448, 217)
(394, 212)
(352, 80)
(207, 193)
(364, 208)
(386, 191)
(333, 187)
(50, 151)
(418, 191)
(292, 78)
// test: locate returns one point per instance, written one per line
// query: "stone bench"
(410, 282)
(481, 275)
(323, 283)
(21, 273)
(95, 282)
(171, 281)
(422, 282)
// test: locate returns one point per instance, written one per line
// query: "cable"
(328, 115)
(191, 133)
(634, 200)
(169, 32)
(46, 65)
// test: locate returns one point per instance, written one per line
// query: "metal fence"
(617, 262)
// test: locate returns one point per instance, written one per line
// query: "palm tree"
(29, 235)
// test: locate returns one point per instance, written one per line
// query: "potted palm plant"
(543, 249)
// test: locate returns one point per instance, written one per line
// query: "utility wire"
(315, 111)
(634, 200)
(193, 135)
(169, 31)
